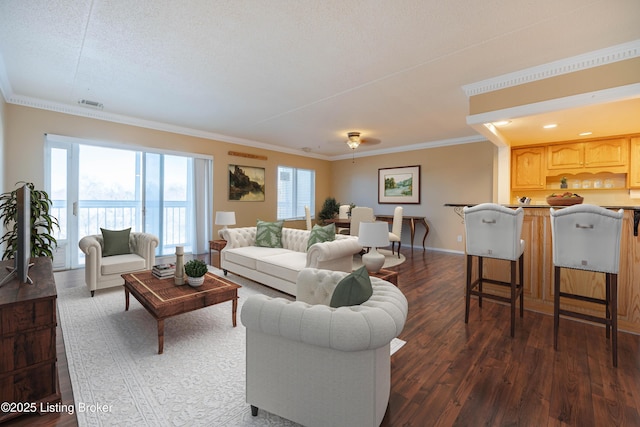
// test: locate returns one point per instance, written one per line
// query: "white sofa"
(104, 272)
(279, 267)
(317, 365)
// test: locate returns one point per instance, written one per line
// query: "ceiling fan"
(354, 140)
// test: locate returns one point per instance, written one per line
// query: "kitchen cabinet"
(527, 168)
(634, 163)
(606, 155)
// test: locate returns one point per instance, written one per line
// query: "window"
(296, 189)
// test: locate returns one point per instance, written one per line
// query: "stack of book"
(163, 271)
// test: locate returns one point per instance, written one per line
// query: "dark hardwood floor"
(452, 374)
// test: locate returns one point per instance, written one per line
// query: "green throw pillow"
(269, 234)
(353, 289)
(115, 242)
(321, 234)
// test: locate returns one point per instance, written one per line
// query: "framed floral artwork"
(399, 185)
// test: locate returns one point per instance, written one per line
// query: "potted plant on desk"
(195, 271)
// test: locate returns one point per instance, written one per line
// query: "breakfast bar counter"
(538, 268)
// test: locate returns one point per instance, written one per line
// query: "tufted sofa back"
(292, 238)
(370, 325)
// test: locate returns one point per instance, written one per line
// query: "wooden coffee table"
(162, 298)
(388, 275)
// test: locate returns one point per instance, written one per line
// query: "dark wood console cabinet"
(28, 369)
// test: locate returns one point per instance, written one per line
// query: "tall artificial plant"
(42, 222)
(330, 209)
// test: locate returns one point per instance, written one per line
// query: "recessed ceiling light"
(585, 133)
(550, 126)
(502, 123)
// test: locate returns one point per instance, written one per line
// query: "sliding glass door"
(96, 186)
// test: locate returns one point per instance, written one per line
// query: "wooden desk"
(216, 245)
(411, 220)
(339, 222)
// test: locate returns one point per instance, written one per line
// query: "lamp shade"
(373, 234)
(225, 218)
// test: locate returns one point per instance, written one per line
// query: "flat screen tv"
(22, 255)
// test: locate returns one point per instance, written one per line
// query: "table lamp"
(225, 218)
(373, 235)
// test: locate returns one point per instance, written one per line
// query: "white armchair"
(104, 272)
(317, 365)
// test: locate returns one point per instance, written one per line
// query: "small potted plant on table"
(195, 271)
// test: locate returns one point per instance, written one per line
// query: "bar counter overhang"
(538, 267)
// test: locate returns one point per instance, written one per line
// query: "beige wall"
(452, 174)
(3, 121)
(25, 153)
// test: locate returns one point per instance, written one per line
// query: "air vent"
(92, 104)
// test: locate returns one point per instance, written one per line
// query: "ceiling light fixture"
(550, 126)
(502, 123)
(354, 140)
(585, 133)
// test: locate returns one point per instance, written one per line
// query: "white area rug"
(390, 260)
(198, 381)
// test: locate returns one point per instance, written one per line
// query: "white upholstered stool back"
(493, 231)
(586, 237)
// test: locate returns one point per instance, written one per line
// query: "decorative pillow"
(353, 289)
(321, 234)
(115, 242)
(269, 234)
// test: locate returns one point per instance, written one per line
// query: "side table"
(216, 245)
(388, 275)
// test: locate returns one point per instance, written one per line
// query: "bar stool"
(493, 231)
(587, 237)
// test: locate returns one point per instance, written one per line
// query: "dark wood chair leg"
(481, 278)
(399, 245)
(614, 318)
(607, 303)
(254, 411)
(556, 305)
(93, 293)
(521, 262)
(467, 296)
(513, 298)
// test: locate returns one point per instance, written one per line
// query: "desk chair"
(493, 231)
(587, 237)
(343, 213)
(307, 217)
(395, 235)
(360, 214)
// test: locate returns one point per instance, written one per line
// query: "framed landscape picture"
(246, 183)
(399, 185)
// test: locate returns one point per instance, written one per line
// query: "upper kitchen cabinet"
(527, 168)
(634, 163)
(605, 155)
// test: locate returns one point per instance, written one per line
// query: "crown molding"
(596, 58)
(132, 121)
(413, 147)
(149, 124)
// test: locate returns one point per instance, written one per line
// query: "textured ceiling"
(292, 74)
